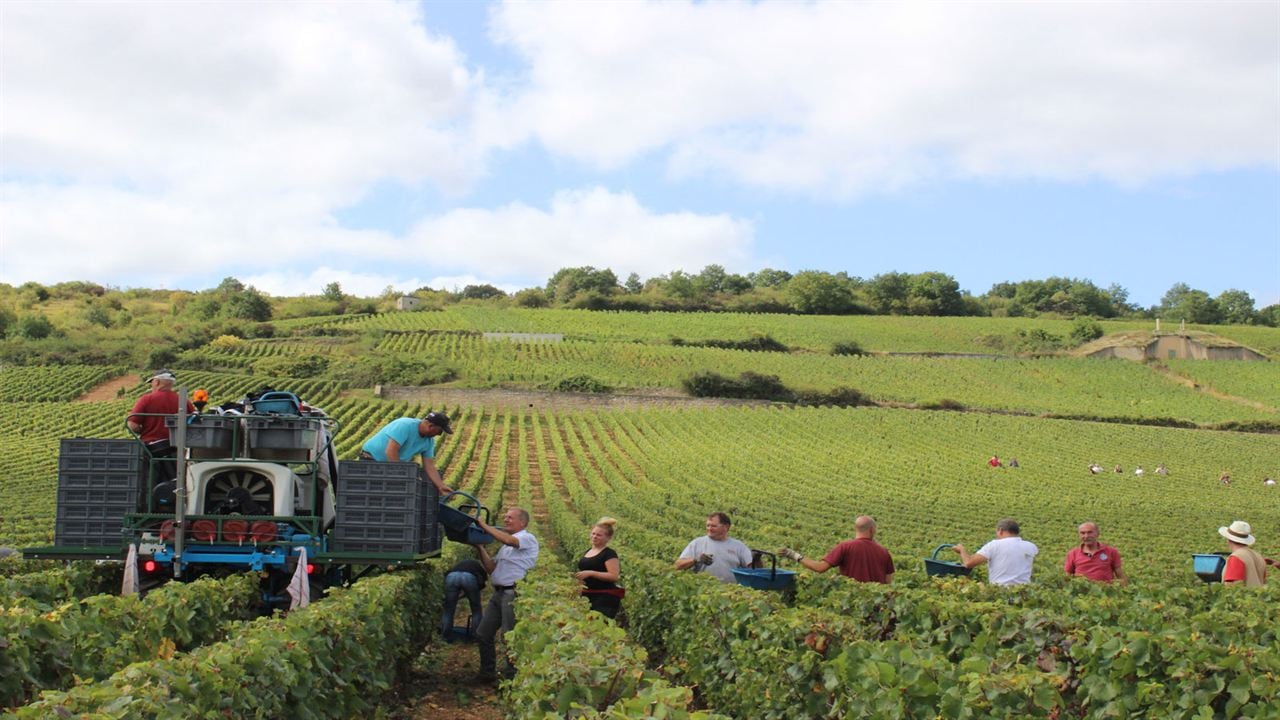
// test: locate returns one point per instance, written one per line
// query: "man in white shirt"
(507, 567)
(1009, 555)
(715, 553)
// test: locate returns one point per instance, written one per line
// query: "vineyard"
(1168, 645)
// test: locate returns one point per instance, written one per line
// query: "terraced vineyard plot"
(815, 333)
(56, 383)
(1256, 381)
(1071, 386)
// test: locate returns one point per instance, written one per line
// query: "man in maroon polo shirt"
(861, 558)
(1093, 560)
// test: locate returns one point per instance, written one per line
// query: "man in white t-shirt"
(715, 553)
(1009, 555)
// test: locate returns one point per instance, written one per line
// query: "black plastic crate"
(206, 432)
(103, 497)
(76, 532)
(379, 503)
(378, 518)
(117, 463)
(98, 447)
(104, 480)
(366, 477)
(396, 539)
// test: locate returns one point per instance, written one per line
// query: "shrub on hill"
(835, 397)
(758, 342)
(847, 347)
(369, 371)
(580, 383)
(748, 386)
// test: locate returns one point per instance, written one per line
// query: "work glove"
(705, 559)
(790, 554)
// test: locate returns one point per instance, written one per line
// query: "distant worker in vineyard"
(147, 420)
(1161, 469)
(715, 553)
(994, 461)
(1009, 555)
(1139, 471)
(1225, 478)
(507, 567)
(1244, 565)
(402, 439)
(1093, 560)
(1013, 462)
(1094, 468)
(861, 558)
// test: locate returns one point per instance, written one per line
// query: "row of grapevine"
(47, 647)
(51, 383)
(333, 659)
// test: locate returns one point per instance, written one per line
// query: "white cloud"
(583, 227)
(836, 98)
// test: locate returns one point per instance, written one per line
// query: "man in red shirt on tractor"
(147, 420)
(861, 558)
(1093, 560)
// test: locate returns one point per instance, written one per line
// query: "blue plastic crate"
(765, 578)
(1209, 567)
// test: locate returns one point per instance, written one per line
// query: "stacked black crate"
(99, 482)
(379, 507)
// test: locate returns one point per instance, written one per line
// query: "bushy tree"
(1236, 307)
(568, 282)
(933, 293)
(1269, 315)
(769, 277)
(532, 298)
(333, 291)
(34, 327)
(481, 292)
(1182, 302)
(814, 292)
(633, 285)
(249, 305)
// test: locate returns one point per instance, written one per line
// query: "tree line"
(818, 292)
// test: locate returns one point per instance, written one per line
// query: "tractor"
(263, 490)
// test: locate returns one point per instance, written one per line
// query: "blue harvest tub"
(1209, 567)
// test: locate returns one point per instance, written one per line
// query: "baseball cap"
(440, 420)
(162, 375)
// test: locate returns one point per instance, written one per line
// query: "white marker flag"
(299, 586)
(131, 571)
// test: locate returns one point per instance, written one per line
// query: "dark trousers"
(499, 617)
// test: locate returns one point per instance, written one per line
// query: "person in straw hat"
(1244, 565)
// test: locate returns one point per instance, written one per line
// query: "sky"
(447, 143)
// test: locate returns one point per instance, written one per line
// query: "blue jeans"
(455, 584)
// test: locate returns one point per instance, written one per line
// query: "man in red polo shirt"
(147, 420)
(861, 558)
(1093, 560)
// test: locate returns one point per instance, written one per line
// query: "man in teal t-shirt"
(400, 440)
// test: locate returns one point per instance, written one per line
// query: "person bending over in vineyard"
(599, 570)
(1010, 556)
(861, 558)
(1244, 565)
(402, 439)
(147, 420)
(715, 553)
(466, 577)
(1093, 560)
(507, 567)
